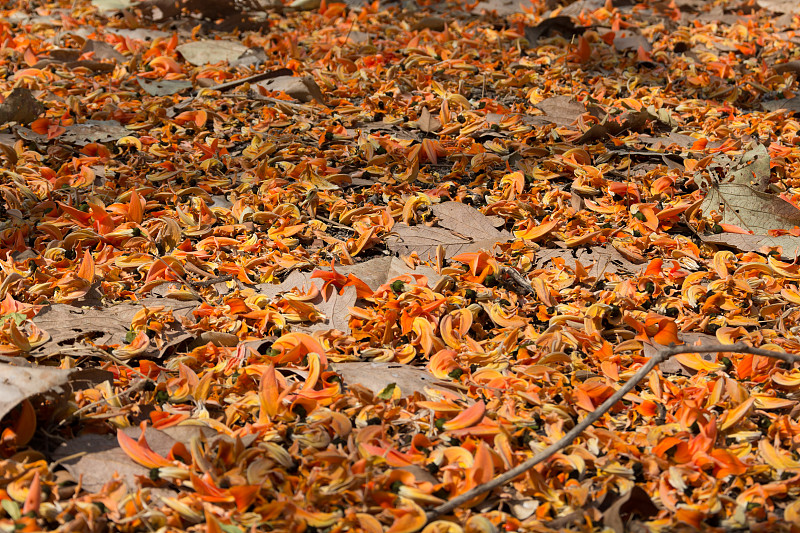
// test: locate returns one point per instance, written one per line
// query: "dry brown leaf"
(789, 104)
(94, 458)
(754, 243)
(424, 240)
(549, 27)
(736, 195)
(303, 89)
(427, 122)
(468, 221)
(210, 52)
(377, 376)
(380, 270)
(561, 110)
(19, 383)
(672, 366)
(74, 331)
(163, 87)
(634, 502)
(780, 6)
(597, 260)
(21, 107)
(627, 41)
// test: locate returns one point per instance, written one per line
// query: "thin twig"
(334, 223)
(662, 355)
(197, 295)
(213, 281)
(278, 102)
(517, 280)
(222, 87)
(135, 387)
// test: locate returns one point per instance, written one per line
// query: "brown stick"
(662, 355)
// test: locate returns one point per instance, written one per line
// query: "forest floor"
(330, 266)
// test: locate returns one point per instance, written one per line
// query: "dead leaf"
(779, 6)
(790, 66)
(211, 52)
(94, 131)
(305, 5)
(164, 87)
(501, 8)
(737, 196)
(463, 229)
(577, 8)
(94, 458)
(468, 221)
(405, 239)
(295, 279)
(427, 122)
(627, 41)
(666, 141)
(376, 376)
(430, 23)
(73, 331)
(549, 27)
(19, 383)
(334, 306)
(754, 243)
(110, 6)
(101, 50)
(632, 121)
(380, 270)
(21, 107)
(634, 502)
(561, 110)
(141, 34)
(86, 378)
(597, 260)
(303, 89)
(789, 104)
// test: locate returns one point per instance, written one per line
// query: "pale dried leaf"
(468, 221)
(101, 50)
(376, 376)
(94, 458)
(738, 198)
(789, 104)
(672, 366)
(18, 383)
(780, 6)
(164, 87)
(21, 107)
(424, 240)
(211, 52)
(427, 122)
(302, 89)
(628, 41)
(561, 110)
(74, 331)
(597, 260)
(380, 270)
(94, 131)
(635, 502)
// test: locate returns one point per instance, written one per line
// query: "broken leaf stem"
(662, 355)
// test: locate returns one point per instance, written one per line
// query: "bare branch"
(663, 353)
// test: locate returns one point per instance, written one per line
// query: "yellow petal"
(738, 413)
(775, 458)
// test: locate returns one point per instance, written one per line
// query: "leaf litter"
(322, 267)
